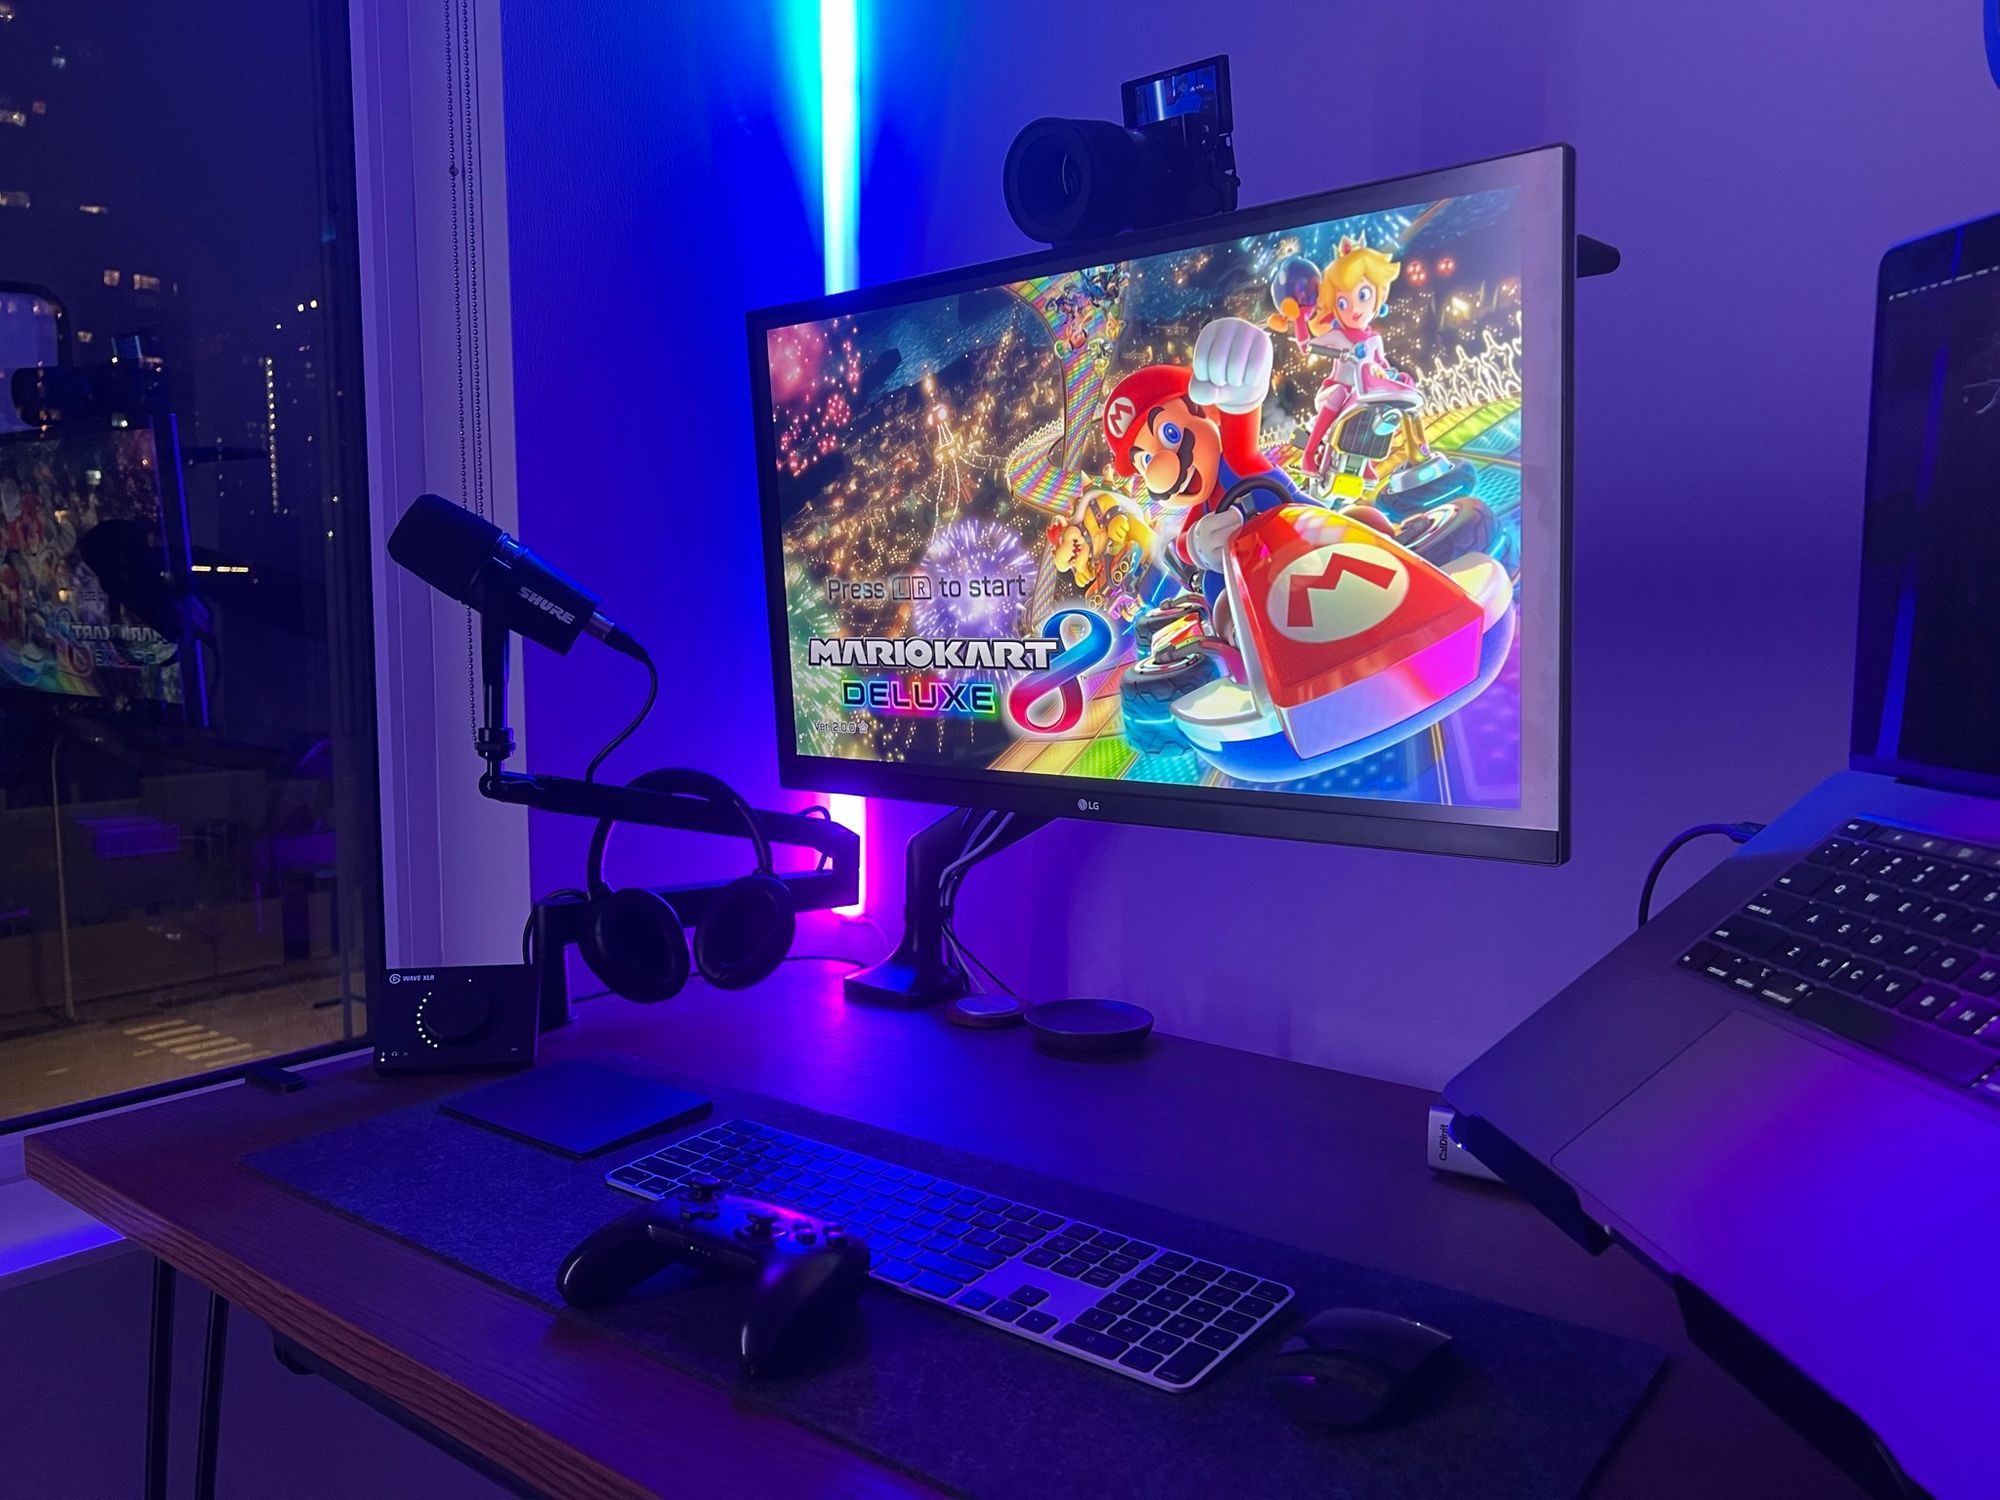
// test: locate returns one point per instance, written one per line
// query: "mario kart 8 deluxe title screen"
(1246, 515)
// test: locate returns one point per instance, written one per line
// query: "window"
(188, 835)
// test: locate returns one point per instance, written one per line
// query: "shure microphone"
(473, 561)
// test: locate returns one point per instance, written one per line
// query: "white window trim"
(438, 347)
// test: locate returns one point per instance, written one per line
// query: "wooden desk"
(1319, 1159)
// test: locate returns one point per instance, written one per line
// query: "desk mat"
(1527, 1406)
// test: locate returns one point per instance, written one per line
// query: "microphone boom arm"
(835, 881)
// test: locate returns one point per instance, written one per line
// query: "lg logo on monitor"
(1084, 804)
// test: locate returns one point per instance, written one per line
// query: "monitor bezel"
(1368, 823)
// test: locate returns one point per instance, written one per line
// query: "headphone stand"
(558, 920)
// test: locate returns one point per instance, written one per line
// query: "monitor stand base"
(923, 969)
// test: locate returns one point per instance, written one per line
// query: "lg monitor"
(1258, 524)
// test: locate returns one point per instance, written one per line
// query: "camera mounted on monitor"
(1068, 181)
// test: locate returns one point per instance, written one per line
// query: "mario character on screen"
(1190, 434)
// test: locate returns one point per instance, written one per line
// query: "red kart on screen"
(1332, 639)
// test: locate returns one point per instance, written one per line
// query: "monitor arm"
(925, 966)
(558, 921)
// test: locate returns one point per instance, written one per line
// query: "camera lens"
(1071, 180)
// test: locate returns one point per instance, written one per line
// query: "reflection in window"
(187, 838)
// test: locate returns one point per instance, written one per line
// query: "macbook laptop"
(1784, 1091)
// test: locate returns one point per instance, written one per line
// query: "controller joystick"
(805, 1268)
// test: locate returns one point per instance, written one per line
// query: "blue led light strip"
(840, 248)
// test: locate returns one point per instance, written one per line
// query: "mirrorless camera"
(1073, 180)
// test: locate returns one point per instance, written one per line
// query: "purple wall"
(1751, 166)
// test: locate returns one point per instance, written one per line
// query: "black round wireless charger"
(1089, 1028)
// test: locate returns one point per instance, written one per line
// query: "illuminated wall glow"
(840, 243)
(839, 142)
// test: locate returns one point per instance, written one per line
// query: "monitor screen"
(61, 631)
(1257, 525)
(1929, 639)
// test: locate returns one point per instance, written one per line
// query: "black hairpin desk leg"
(209, 1439)
(160, 1381)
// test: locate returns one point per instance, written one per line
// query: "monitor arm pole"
(558, 920)
(925, 968)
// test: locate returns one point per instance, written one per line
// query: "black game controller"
(806, 1268)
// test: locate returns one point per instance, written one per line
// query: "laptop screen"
(1927, 680)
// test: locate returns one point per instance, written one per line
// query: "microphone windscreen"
(443, 544)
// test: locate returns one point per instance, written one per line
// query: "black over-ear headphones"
(633, 940)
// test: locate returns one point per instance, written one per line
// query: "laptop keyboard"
(1141, 1310)
(1889, 936)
